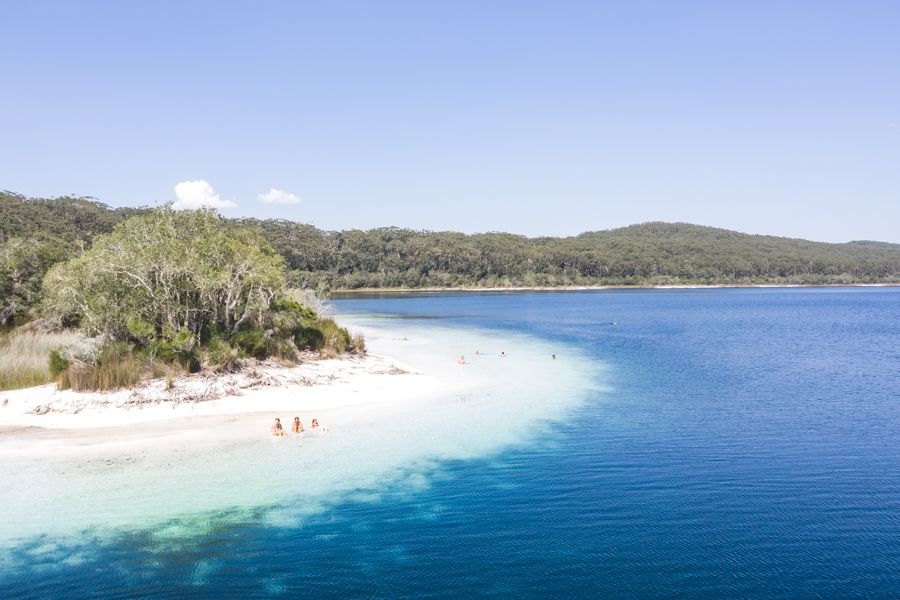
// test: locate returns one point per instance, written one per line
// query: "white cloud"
(276, 196)
(198, 194)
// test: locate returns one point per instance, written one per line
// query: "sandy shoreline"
(178, 469)
(577, 288)
(46, 419)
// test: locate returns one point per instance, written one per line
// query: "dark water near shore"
(750, 448)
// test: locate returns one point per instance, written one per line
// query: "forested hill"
(35, 233)
(647, 254)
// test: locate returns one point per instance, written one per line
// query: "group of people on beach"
(296, 427)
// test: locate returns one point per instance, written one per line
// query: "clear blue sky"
(531, 117)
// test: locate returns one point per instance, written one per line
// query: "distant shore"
(578, 288)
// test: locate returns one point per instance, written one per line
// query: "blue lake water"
(747, 445)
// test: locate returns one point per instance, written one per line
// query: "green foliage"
(648, 254)
(334, 338)
(310, 338)
(190, 287)
(58, 363)
(177, 270)
(141, 330)
(179, 347)
(170, 291)
(37, 233)
(218, 355)
(328, 338)
(253, 342)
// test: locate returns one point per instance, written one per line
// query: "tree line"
(35, 234)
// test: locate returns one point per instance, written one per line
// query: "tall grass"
(25, 356)
(119, 372)
(115, 367)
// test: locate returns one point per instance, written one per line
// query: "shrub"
(335, 339)
(58, 363)
(178, 347)
(310, 338)
(252, 342)
(358, 344)
(218, 355)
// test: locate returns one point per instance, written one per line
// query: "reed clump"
(113, 367)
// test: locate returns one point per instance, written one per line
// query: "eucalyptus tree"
(167, 271)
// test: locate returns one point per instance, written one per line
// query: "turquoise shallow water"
(748, 445)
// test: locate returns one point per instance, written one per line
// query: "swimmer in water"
(461, 360)
(297, 427)
(277, 429)
(554, 357)
(503, 355)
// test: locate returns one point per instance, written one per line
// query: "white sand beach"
(176, 462)
(46, 419)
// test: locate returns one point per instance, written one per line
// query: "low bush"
(219, 356)
(58, 363)
(252, 342)
(175, 347)
(331, 339)
(334, 338)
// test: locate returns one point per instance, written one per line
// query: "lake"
(725, 443)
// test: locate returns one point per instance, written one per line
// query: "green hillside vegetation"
(37, 233)
(646, 254)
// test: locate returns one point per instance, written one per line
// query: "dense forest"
(35, 234)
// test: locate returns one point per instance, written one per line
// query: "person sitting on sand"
(461, 360)
(298, 425)
(277, 429)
